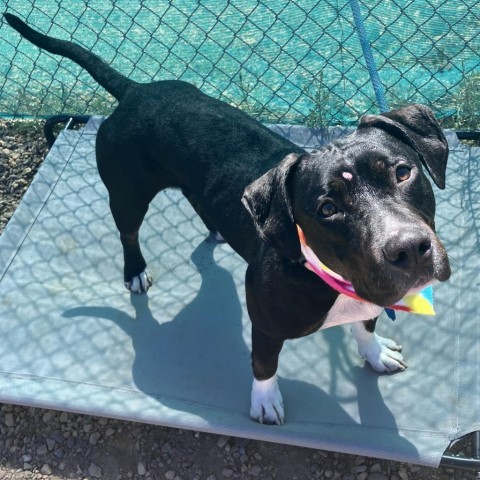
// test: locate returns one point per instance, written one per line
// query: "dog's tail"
(113, 81)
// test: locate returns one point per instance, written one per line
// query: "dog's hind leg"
(128, 214)
(129, 201)
(132, 183)
(192, 199)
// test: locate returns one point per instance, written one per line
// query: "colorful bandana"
(414, 302)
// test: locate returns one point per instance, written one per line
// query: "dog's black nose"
(407, 249)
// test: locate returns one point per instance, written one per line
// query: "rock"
(359, 469)
(255, 470)
(141, 469)
(49, 416)
(46, 469)
(95, 471)
(242, 442)
(9, 420)
(59, 453)
(222, 441)
(166, 447)
(377, 476)
(42, 450)
(94, 438)
(402, 472)
(170, 475)
(227, 472)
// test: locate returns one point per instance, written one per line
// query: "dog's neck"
(420, 302)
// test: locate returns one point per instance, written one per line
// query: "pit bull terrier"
(362, 204)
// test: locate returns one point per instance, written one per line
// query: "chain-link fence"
(286, 61)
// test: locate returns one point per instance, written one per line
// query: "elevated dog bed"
(73, 338)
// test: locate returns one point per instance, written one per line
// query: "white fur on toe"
(218, 237)
(381, 353)
(140, 284)
(267, 402)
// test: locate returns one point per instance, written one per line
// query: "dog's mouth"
(387, 289)
(387, 295)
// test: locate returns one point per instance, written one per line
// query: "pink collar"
(420, 302)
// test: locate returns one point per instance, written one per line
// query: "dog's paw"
(267, 402)
(140, 284)
(382, 354)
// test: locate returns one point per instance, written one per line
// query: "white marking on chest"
(348, 310)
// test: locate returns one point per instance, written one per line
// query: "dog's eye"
(403, 173)
(327, 209)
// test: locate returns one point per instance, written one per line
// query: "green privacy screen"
(297, 62)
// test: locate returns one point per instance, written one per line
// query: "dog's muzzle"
(415, 301)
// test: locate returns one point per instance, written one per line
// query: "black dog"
(363, 203)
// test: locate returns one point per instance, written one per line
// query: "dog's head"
(364, 203)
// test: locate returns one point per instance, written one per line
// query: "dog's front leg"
(381, 353)
(267, 402)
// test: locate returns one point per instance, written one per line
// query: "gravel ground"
(36, 443)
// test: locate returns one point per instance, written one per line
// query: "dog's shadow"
(198, 350)
(200, 356)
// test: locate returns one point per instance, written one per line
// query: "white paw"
(140, 284)
(382, 354)
(267, 402)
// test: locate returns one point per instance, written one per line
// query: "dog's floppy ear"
(417, 127)
(267, 199)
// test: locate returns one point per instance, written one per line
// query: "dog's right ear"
(267, 199)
